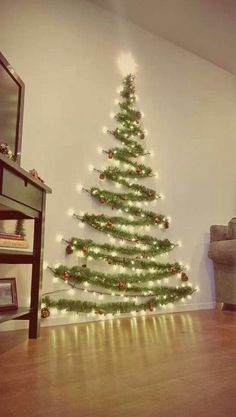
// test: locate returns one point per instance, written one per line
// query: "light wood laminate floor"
(174, 365)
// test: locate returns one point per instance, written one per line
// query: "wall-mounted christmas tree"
(140, 284)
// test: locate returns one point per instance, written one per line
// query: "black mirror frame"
(20, 107)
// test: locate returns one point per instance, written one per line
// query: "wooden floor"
(177, 365)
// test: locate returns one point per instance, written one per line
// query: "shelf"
(15, 256)
(14, 314)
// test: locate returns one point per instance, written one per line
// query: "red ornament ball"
(101, 311)
(102, 200)
(84, 249)
(151, 307)
(142, 136)
(69, 250)
(166, 224)
(102, 176)
(184, 277)
(138, 170)
(157, 220)
(109, 261)
(109, 224)
(173, 269)
(110, 155)
(45, 312)
(121, 285)
(66, 276)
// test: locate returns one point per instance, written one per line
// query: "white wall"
(66, 53)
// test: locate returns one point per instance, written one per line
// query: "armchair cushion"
(223, 252)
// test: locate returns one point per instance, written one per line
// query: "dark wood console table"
(23, 197)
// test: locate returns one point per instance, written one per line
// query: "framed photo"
(8, 294)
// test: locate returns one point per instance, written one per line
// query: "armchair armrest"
(218, 233)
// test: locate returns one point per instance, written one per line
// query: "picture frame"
(8, 294)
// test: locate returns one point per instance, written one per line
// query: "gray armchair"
(222, 251)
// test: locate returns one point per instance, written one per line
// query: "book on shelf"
(13, 243)
(11, 236)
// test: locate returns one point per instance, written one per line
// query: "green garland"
(93, 221)
(88, 246)
(111, 281)
(171, 295)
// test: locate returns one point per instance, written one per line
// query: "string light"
(70, 212)
(90, 167)
(127, 64)
(59, 238)
(79, 188)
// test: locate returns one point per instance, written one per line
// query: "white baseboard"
(62, 318)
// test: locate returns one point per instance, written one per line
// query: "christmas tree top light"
(127, 64)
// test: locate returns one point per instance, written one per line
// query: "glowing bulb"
(45, 265)
(197, 288)
(104, 129)
(90, 168)
(99, 149)
(79, 187)
(70, 212)
(127, 64)
(59, 237)
(179, 243)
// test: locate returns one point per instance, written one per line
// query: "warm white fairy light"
(197, 288)
(79, 188)
(179, 243)
(45, 265)
(59, 237)
(90, 167)
(70, 212)
(99, 149)
(127, 64)
(104, 129)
